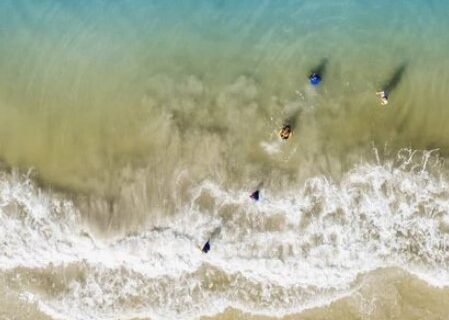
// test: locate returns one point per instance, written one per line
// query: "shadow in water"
(215, 233)
(394, 80)
(320, 69)
(292, 119)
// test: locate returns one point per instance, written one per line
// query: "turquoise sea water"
(146, 124)
(82, 72)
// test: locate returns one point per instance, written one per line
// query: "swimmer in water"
(286, 132)
(383, 96)
(314, 79)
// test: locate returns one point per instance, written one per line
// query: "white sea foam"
(282, 254)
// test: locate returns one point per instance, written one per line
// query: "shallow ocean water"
(130, 132)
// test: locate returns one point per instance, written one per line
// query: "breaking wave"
(289, 251)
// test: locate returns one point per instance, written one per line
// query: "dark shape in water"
(213, 235)
(255, 195)
(392, 83)
(291, 120)
(206, 247)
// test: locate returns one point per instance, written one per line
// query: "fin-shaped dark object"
(206, 247)
(255, 195)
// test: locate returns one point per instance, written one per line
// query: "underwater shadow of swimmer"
(292, 119)
(320, 69)
(392, 83)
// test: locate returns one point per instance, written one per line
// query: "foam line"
(276, 256)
